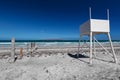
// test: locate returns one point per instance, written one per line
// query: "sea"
(41, 43)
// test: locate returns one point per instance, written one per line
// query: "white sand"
(60, 67)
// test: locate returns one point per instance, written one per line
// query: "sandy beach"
(59, 64)
(59, 40)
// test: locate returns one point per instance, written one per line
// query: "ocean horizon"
(55, 40)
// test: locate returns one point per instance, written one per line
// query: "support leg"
(113, 52)
(90, 48)
(94, 50)
(79, 47)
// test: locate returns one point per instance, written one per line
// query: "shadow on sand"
(77, 55)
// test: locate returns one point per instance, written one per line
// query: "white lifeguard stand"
(93, 27)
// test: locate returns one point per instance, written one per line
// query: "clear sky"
(53, 19)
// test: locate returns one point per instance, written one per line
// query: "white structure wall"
(85, 28)
(99, 25)
(95, 25)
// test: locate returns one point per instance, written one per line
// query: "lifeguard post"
(93, 27)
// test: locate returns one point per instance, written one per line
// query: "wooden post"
(13, 48)
(27, 48)
(21, 53)
(30, 46)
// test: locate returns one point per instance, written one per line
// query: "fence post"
(12, 48)
(21, 53)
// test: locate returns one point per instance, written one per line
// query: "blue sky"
(53, 19)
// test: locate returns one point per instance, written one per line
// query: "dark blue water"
(49, 42)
